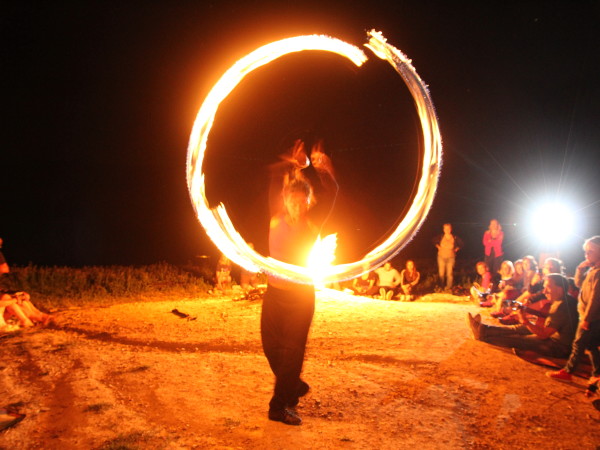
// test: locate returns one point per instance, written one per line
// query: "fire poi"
(216, 221)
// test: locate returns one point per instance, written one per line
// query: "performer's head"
(297, 198)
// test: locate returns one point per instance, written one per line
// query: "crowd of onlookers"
(541, 310)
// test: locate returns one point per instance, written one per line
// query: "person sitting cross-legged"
(389, 279)
(365, 284)
(483, 286)
(409, 278)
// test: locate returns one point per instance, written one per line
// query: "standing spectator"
(447, 244)
(587, 278)
(492, 244)
(409, 278)
(389, 279)
(223, 274)
(3, 264)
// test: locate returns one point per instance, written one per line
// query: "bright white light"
(553, 223)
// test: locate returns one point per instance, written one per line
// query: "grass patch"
(60, 287)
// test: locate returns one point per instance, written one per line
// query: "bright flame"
(321, 257)
(216, 221)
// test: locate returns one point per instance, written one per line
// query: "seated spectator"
(536, 302)
(506, 290)
(3, 264)
(552, 338)
(532, 278)
(409, 278)
(223, 275)
(366, 284)
(389, 279)
(483, 286)
(18, 305)
(519, 275)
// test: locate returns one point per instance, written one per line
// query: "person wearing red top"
(492, 244)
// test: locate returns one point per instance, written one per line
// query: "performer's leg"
(295, 326)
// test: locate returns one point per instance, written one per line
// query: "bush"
(64, 286)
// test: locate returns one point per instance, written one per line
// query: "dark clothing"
(288, 307)
(586, 339)
(524, 340)
(285, 321)
(363, 286)
(589, 310)
(287, 311)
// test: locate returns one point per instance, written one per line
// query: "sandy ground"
(384, 375)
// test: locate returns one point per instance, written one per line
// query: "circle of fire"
(217, 223)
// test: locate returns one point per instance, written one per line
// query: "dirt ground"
(383, 375)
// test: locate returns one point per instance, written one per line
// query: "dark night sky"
(99, 99)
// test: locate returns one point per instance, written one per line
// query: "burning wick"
(321, 258)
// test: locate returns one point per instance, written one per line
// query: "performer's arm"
(324, 167)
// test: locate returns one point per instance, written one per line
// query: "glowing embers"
(216, 221)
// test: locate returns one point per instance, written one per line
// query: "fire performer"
(288, 307)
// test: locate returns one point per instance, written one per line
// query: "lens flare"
(216, 221)
(552, 223)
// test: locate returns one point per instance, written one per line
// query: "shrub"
(64, 286)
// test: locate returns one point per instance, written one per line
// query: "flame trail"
(216, 221)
